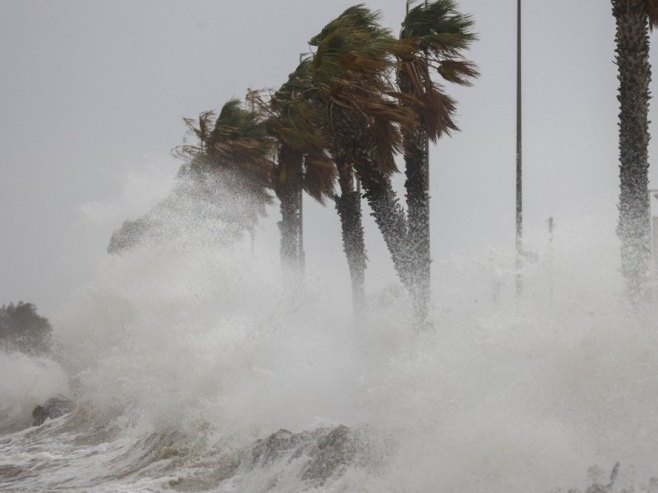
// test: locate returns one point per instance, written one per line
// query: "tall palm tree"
(432, 40)
(351, 70)
(634, 18)
(228, 168)
(302, 164)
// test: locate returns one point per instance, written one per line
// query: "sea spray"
(27, 382)
(182, 354)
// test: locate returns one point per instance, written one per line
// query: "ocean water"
(182, 354)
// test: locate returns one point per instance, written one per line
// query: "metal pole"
(301, 253)
(519, 158)
(551, 230)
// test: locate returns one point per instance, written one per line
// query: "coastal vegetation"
(23, 329)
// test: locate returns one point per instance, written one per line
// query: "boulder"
(326, 452)
(52, 408)
(311, 459)
(331, 454)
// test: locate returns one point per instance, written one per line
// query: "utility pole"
(519, 159)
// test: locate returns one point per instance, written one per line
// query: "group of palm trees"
(360, 99)
(365, 96)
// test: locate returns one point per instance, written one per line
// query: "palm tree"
(238, 153)
(351, 70)
(634, 18)
(229, 169)
(432, 39)
(302, 164)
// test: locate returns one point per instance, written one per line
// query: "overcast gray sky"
(92, 89)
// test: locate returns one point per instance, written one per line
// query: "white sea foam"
(26, 382)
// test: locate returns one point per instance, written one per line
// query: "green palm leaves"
(291, 117)
(352, 72)
(432, 40)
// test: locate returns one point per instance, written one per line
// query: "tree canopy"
(22, 329)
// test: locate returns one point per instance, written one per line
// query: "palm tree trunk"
(390, 219)
(348, 206)
(289, 192)
(416, 156)
(632, 58)
(418, 212)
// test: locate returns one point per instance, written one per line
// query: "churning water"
(184, 353)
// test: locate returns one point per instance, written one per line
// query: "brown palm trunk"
(289, 192)
(348, 206)
(390, 218)
(416, 156)
(632, 58)
(418, 212)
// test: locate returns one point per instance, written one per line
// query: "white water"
(180, 353)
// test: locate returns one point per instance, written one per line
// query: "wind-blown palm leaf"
(358, 17)
(432, 38)
(652, 12)
(319, 176)
(438, 27)
(291, 116)
(238, 148)
(352, 71)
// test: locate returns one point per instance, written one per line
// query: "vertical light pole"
(551, 233)
(519, 158)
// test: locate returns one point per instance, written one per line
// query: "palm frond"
(352, 70)
(460, 72)
(438, 26)
(358, 17)
(652, 12)
(438, 34)
(438, 115)
(292, 115)
(236, 147)
(319, 176)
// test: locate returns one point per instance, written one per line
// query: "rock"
(311, 459)
(332, 454)
(325, 452)
(281, 444)
(52, 408)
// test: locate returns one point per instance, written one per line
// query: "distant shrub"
(22, 329)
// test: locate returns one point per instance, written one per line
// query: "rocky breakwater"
(308, 460)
